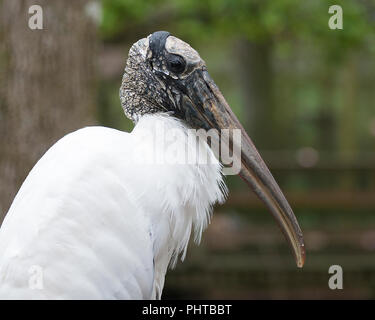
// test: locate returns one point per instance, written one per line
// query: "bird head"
(165, 74)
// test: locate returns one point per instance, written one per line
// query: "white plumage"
(101, 223)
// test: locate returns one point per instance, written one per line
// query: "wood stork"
(97, 221)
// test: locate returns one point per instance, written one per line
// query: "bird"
(105, 213)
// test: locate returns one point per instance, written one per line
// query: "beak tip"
(302, 257)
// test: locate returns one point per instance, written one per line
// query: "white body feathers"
(102, 217)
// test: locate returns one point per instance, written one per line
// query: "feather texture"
(103, 213)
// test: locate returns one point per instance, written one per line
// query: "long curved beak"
(207, 108)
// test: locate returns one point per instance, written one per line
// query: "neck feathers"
(183, 181)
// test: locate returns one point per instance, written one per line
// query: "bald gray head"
(157, 74)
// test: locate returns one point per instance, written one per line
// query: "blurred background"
(305, 94)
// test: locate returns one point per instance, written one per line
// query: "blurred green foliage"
(257, 20)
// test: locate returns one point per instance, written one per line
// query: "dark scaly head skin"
(159, 72)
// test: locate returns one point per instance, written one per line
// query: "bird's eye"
(176, 64)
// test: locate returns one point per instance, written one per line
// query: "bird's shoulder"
(83, 149)
(78, 162)
(93, 138)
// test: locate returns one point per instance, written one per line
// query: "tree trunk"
(46, 84)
